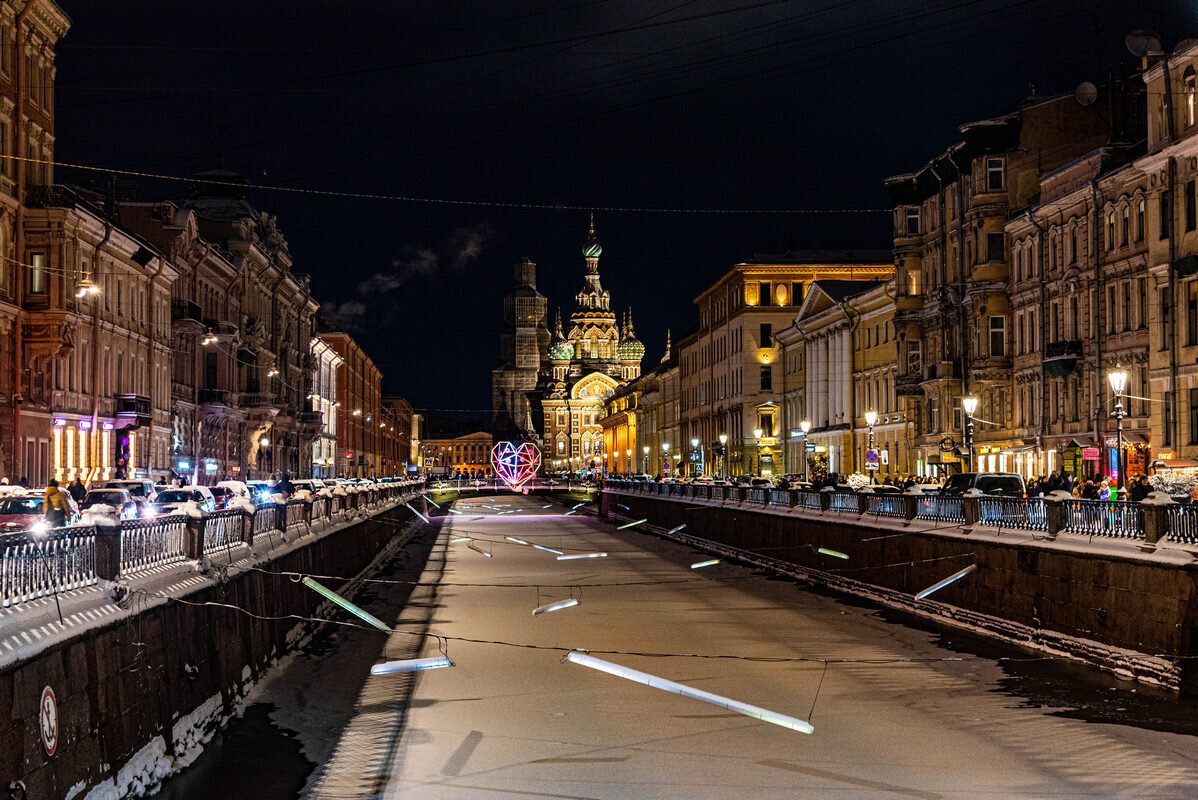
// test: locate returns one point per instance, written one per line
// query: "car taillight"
(1025, 495)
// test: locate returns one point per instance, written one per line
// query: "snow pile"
(141, 775)
(192, 731)
(325, 492)
(192, 509)
(100, 515)
(238, 488)
(340, 491)
(242, 503)
(278, 498)
(303, 494)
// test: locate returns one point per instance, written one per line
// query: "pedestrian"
(78, 490)
(1066, 482)
(55, 505)
(4, 481)
(1104, 489)
(23, 482)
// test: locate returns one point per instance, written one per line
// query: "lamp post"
(694, 456)
(870, 418)
(645, 461)
(1118, 379)
(665, 458)
(970, 404)
(629, 452)
(724, 453)
(805, 427)
(757, 436)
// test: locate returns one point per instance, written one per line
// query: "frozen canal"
(898, 711)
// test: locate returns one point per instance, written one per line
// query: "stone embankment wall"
(1101, 602)
(137, 699)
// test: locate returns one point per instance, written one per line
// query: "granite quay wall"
(1104, 600)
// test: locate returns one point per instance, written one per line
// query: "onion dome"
(560, 348)
(630, 348)
(592, 249)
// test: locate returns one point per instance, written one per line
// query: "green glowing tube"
(417, 513)
(347, 605)
(460, 539)
(631, 524)
(834, 553)
(431, 500)
(699, 564)
(675, 530)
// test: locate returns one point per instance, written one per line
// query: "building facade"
(325, 401)
(466, 455)
(522, 347)
(359, 395)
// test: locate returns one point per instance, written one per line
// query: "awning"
(1134, 438)
(1175, 463)
(1081, 441)
(1022, 448)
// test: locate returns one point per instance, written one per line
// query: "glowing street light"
(970, 404)
(757, 435)
(870, 418)
(805, 427)
(1118, 379)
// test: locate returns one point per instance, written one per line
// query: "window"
(1166, 318)
(995, 243)
(994, 182)
(1167, 418)
(1193, 416)
(914, 361)
(1191, 209)
(1110, 230)
(1127, 305)
(763, 293)
(1140, 220)
(998, 337)
(912, 220)
(933, 415)
(1110, 309)
(767, 378)
(767, 332)
(1075, 328)
(1073, 245)
(1166, 214)
(1142, 284)
(37, 273)
(1125, 230)
(958, 419)
(1191, 90)
(1192, 312)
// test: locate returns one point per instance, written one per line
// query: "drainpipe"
(95, 301)
(962, 337)
(21, 149)
(152, 370)
(943, 255)
(1096, 249)
(854, 321)
(1173, 316)
(1043, 331)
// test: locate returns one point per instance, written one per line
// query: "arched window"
(1110, 230)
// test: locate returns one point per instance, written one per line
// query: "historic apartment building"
(730, 370)
(324, 400)
(359, 404)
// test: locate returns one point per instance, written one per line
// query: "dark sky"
(698, 104)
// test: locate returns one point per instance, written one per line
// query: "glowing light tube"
(558, 606)
(517, 541)
(834, 553)
(347, 605)
(410, 665)
(478, 549)
(417, 513)
(460, 539)
(954, 577)
(571, 511)
(699, 564)
(580, 505)
(548, 549)
(582, 555)
(666, 685)
(621, 505)
(434, 502)
(675, 530)
(631, 524)
(547, 505)
(454, 511)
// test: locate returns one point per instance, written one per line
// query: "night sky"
(698, 104)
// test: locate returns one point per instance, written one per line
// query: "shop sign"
(1090, 453)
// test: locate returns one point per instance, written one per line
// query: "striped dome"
(561, 350)
(630, 349)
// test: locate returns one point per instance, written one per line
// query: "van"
(1002, 484)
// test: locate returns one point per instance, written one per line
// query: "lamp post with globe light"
(724, 453)
(757, 436)
(629, 453)
(645, 461)
(970, 404)
(665, 458)
(694, 456)
(1118, 379)
(805, 427)
(871, 417)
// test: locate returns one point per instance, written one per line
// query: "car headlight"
(148, 512)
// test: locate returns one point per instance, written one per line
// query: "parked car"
(222, 495)
(120, 500)
(27, 512)
(172, 500)
(1004, 484)
(141, 490)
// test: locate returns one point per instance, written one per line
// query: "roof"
(816, 257)
(843, 290)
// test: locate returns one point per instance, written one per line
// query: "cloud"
(343, 316)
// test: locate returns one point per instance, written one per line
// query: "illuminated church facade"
(580, 369)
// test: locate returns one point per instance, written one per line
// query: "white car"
(172, 500)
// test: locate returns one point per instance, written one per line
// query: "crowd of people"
(1089, 489)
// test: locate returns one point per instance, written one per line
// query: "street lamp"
(665, 457)
(724, 453)
(694, 455)
(970, 404)
(871, 417)
(645, 461)
(1118, 379)
(805, 427)
(629, 453)
(757, 436)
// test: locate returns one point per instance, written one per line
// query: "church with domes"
(579, 369)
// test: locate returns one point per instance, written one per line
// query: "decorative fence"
(941, 509)
(1013, 512)
(149, 543)
(887, 505)
(1104, 518)
(1183, 524)
(844, 501)
(35, 565)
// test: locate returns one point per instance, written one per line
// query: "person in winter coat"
(56, 505)
(1089, 491)
(78, 490)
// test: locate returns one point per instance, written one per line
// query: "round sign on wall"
(49, 721)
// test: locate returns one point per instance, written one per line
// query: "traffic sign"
(428, 462)
(871, 459)
(49, 721)
(811, 447)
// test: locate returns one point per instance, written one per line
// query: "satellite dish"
(1085, 93)
(1141, 42)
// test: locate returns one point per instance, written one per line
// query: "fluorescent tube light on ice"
(558, 606)
(410, 665)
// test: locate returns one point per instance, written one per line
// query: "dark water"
(253, 757)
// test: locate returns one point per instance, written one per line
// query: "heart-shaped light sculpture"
(516, 463)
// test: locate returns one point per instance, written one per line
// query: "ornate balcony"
(132, 411)
(908, 385)
(259, 405)
(1060, 358)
